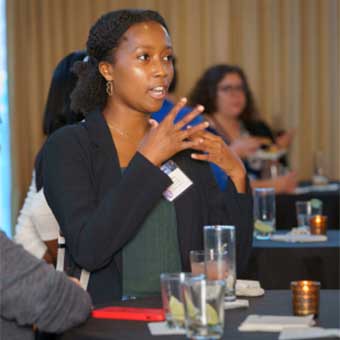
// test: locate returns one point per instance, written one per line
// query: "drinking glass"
(204, 308)
(303, 213)
(221, 239)
(316, 206)
(319, 176)
(197, 258)
(172, 297)
(264, 213)
(213, 265)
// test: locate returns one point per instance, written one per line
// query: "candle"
(318, 225)
(305, 297)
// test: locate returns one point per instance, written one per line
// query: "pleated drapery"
(289, 49)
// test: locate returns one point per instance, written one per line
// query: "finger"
(264, 140)
(197, 134)
(173, 113)
(194, 131)
(190, 144)
(211, 136)
(200, 156)
(153, 123)
(189, 117)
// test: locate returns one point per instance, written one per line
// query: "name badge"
(180, 181)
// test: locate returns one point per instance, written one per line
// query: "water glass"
(264, 213)
(204, 308)
(222, 239)
(319, 176)
(172, 298)
(303, 213)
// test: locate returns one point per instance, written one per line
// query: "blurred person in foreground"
(34, 294)
(230, 109)
(37, 229)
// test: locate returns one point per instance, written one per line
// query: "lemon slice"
(212, 316)
(263, 227)
(176, 308)
(191, 309)
(315, 203)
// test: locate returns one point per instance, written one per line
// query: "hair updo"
(104, 36)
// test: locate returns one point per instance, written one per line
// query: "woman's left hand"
(216, 151)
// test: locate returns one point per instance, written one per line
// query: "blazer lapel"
(107, 172)
(106, 167)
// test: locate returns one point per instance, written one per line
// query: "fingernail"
(206, 124)
(200, 107)
(193, 155)
(188, 126)
(183, 100)
(200, 140)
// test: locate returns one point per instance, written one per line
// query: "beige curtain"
(289, 49)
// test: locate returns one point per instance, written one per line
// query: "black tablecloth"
(273, 302)
(276, 264)
(286, 212)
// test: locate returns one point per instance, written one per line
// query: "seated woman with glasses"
(230, 109)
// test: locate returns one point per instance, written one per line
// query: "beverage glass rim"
(219, 227)
(264, 190)
(305, 282)
(179, 276)
(302, 202)
(203, 252)
(197, 280)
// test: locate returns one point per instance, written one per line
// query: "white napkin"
(272, 323)
(236, 304)
(161, 328)
(290, 237)
(308, 333)
(248, 288)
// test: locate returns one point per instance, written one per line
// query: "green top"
(154, 250)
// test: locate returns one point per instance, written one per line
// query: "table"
(286, 213)
(276, 264)
(273, 302)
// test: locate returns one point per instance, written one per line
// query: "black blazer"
(99, 210)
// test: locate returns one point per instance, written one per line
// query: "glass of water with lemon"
(264, 213)
(204, 308)
(172, 297)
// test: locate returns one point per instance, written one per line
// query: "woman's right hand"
(165, 139)
(245, 146)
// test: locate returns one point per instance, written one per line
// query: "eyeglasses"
(232, 89)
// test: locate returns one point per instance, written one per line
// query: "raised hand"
(216, 151)
(166, 139)
(286, 183)
(284, 140)
(245, 146)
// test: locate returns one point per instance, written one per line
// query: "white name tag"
(180, 181)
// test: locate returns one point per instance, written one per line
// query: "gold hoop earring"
(109, 88)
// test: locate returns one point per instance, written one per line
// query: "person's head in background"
(118, 68)
(58, 105)
(224, 90)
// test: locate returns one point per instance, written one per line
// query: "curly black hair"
(205, 91)
(58, 105)
(104, 37)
